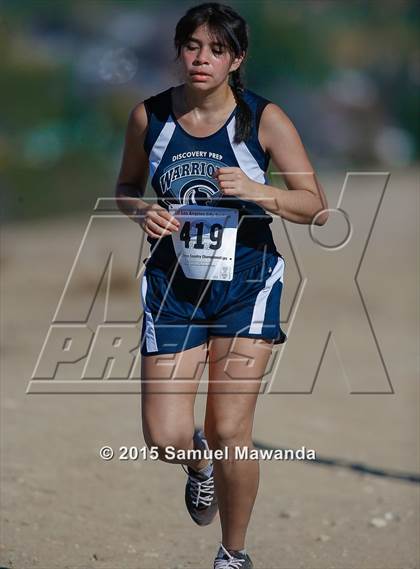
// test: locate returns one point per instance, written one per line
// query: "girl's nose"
(202, 56)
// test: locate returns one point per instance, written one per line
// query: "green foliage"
(62, 130)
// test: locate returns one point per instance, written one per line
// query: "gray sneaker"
(236, 560)
(200, 493)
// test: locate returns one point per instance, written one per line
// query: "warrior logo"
(199, 192)
(190, 183)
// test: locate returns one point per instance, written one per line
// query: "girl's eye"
(191, 47)
(218, 51)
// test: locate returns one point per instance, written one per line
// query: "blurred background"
(347, 73)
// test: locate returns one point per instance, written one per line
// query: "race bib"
(206, 241)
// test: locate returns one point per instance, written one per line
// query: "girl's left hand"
(234, 182)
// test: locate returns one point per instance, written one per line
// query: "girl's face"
(206, 63)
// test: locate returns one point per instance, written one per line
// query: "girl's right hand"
(156, 221)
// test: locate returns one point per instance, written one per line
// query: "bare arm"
(132, 180)
(279, 136)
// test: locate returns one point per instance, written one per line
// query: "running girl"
(213, 281)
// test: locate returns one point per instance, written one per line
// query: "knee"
(162, 438)
(229, 433)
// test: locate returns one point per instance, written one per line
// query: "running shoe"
(236, 560)
(200, 492)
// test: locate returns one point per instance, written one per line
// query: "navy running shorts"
(181, 313)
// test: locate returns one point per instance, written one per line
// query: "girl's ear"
(236, 63)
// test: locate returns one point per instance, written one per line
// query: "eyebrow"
(199, 42)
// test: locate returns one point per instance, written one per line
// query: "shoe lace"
(230, 563)
(202, 491)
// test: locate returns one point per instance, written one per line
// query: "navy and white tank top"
(181, 168)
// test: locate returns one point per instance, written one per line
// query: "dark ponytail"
(244, 115)
(231, 30)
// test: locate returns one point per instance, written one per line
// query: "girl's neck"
(211, 101)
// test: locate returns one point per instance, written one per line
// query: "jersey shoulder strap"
(257, 104)
(158, 109)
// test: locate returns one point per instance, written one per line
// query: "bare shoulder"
(137, 120)
(134, 165)
(275, 126)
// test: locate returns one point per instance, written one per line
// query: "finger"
(227, 170)
(152, 234)
(164, 213)
(164, 222)
(227, 185)
(228, 191)
(148, 231)
(227, 177)
(157, 228)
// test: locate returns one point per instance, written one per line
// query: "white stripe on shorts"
(151, 343)
(258, 314)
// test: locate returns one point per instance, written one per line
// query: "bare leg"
(234, 383)
(169, 389)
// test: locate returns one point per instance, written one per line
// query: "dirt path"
(64, 508)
